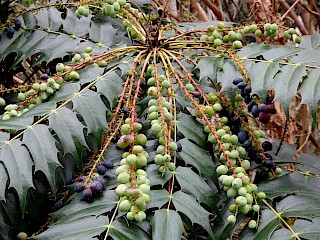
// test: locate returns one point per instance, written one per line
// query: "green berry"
(237, 44)
(233, 208)
(217, 42)
(261, 195)
(241, 201)
(171, 166)
(291, 31)
(258, 33)
(252, 224)
(190, 87)
(232, 192)
(256, 208)
(297, 40)
(220, 25)
(131, 159)
(237, 183)
(144, 188)
(152, 91)
(130, 216)
(222, 169)
(21, 97)
(22, 236)
(278, 171)
(74, 75)
(231, 219)
(125, 206)
(245, 209)
(173, 146)
(123, 177)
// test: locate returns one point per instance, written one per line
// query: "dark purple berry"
(269, 164)
(242, 85)
(247, 89)
(236, 81)
(58, 205)
(250, 105)
(255, 111)
(87, 193)
(78, 187)
(247, 99)
(242, 93)
(100, 179)
(160, 11)
(267, 146)
(101, 170)
(179, 147)
(247, 144)
(196, 94)
(125, 110)
(264, 117)
(108, 164)
(271, 109)
(242, 136)
(96, 186)
(59, 196)
(82, 178)
(17, 24)
(68, 181)
(258, 159)
(235, 129)
(10, 32)
(260, 176)
(44, 76)
(235, 121)
(252, 153)
(262, 107)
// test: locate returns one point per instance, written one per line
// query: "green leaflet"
(310, 91)
(191, 129)
(93, 111)
(42, 148)
(198, 157)
(70, 132)
(18, 163)
(195, 184)
(166, 224)
(187, 205)
(120, 230)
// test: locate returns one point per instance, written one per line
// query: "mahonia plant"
(161, 80)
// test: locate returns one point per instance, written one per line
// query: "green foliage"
(77, 129)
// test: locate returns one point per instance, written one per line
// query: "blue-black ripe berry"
(269, 164)
(59, 196)
(100, 179)
(108, 164)
(44, 76)
(236, 81)
(242, 85)
(267, 146)
(258, 159)
(78, 187)
(82, 178)
(247, 89)
(260, 176)
(262, 107)
(242, 136)
(255, 111)
(17, 24)
(250, 105)
(101, 170)
(247, 144)
(10, 32)
(58, 205)
(87, 193)
(96, 186)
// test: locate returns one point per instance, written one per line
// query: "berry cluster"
(113, 7)
(261, 110)
(10, 30)
(236, 146)
(82, 11)
(219, 35)
(38, 93)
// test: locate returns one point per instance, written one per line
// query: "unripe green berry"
(256, 208)
(241, 201)
(237, 183)
(125, 206)
(231, 219)
(21, 97)
(237, 44)
(123, 177)
(258, 33)
(232, 192)
(222, 169)
(261, 195)
(252, 224)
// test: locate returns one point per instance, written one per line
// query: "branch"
(294, 16)
(201, 15)
(214, 9)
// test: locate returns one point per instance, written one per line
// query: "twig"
(294, 16)
(201, 15)
(290, 8)
(214, 9)
(282, 139)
